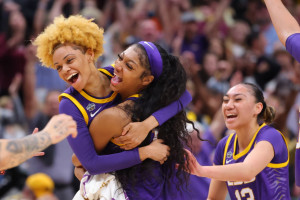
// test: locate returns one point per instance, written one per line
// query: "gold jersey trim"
(245, 151)
(101, 101)
(226, 147)
(78, 105)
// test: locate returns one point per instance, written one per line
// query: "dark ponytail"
(267, 114)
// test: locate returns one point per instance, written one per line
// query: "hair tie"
(264, 105)
(154, 58)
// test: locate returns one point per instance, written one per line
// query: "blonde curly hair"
(74, 30)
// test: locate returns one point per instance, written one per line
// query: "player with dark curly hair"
(159, 79)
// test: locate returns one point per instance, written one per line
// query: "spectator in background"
(209, 66)
(12, 59)
(189, 38)
(56, 157)
(38, 186)
(264, 25)
(12, 117)
(235, 42)
(41, 90)
(41, 186)
(220, 81)
(266, 68)
(12, 126)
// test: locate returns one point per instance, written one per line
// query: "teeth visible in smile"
(116, 75)
(230, 115)
(71, 76)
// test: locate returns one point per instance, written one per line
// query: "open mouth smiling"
(73, 78)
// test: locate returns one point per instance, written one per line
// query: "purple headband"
(154, 58)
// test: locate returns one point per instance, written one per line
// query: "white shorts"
(100, 187)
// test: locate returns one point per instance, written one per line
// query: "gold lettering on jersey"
(232, 183)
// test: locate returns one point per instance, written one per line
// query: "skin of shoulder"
(108, 124)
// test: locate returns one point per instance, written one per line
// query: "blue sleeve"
(164, 114)
(219, 154)
(293, 45)
(83, 146)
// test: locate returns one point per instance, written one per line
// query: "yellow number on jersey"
(245, 192)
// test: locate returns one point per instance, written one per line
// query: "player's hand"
(60, 126)
(133, 135)
(79, 169)
(156, 151)
(79, 172)
(75, 161)
(194, 166)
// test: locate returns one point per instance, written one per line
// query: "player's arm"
(217, 190)
(254, 163)
(15, 151)
(285, 24)
(107, 125)
(83, 147)
(134, 133)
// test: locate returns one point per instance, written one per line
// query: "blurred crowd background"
(220, 43)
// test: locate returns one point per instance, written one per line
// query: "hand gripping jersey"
(272, 182)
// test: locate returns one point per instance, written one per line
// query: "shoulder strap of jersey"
(77, 104)
(108, 70)
(280, 165)
(226, 147)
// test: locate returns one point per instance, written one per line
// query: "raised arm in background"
(285, 24)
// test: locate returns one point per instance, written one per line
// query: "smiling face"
(130, 75)
(240, 108)
(73, 65)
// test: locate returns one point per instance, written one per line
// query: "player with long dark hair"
(159, 79)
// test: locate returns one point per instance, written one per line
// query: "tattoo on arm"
(17, 151)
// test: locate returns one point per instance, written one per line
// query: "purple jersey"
(89, 106)
(83, 108)
(293, 47)
(273, 181)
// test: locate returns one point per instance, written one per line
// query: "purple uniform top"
(272, 182)
(293, 47)
(83, 108)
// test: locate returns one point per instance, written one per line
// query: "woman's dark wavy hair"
(167, 88)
